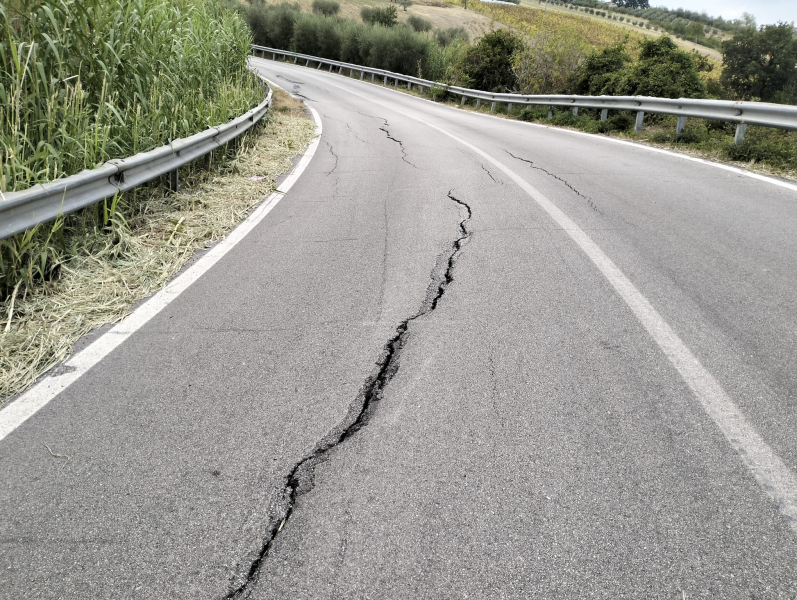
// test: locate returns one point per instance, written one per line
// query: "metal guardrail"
(44, 202)
(742, 113)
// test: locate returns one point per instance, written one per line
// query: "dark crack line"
(486, 170)
(290, 80)
(332, 152)
(399, 142)
(299, 480)
(574, 190)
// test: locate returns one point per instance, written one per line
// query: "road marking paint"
(30, 402)
(592, 136)
(771, 473)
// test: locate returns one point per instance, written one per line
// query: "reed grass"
(85, 81)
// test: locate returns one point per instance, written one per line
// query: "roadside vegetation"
(84, 81)
(144, 245)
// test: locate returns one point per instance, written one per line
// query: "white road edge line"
(592, 136)
(772, 474)
(31, 401)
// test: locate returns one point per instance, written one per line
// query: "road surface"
(463, 357)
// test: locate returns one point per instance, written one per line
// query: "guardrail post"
(604, 114)
(351, 72)
(575, 111)
(174, 181)
(550, 112)
(680, 125)
(478, 102)
(319, 65)
(362, 74)
(372, 77)
(385, 80)
(409, 85)
(741, 129)
(295, 58)
(509, 108)
(492, 107)
(640, 116)
(340, 70)
(307, 64)
(463, 100)
(395, 83)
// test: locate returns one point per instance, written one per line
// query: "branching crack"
(589, 200)
(299, 479)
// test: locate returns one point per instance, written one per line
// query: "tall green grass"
(84, 81)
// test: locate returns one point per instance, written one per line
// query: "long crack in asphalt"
(589, 200)
(332, 152)
(299, 480)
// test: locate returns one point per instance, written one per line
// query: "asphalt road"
(416, 378)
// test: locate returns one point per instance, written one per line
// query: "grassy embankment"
(84, 81)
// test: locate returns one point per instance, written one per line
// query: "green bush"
(326, 7)
(386, 16)
(761, 144)
(488, 65)
(445, 37)
(419, 23)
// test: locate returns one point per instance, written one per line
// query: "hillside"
(624, 25)
(442, 15)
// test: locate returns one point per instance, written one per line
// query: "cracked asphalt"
(409, 382)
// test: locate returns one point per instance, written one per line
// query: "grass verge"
(137, 256)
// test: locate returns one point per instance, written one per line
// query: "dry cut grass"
(38, 329)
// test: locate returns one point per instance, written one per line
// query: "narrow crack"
(299, 479)
(399, 142)
(332, 152)
(486, 170)
(589, 200)
(354, 133)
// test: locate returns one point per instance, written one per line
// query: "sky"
(766, 11)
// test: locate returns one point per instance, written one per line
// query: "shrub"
(386, 16)
(548, 63)
(662, 70)
(445, 37)
(325, 7)
(600, 71)
(488, 64)
(419, 23)
(405, 4)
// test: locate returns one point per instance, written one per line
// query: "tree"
(325, 7)
(633, 3)
(694, 31)
(487, 65)
(761, 64)
(386, 16)
(662, 70)
(599, 73)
